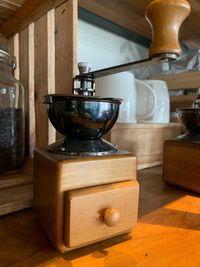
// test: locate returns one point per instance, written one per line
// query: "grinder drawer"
(100, 212)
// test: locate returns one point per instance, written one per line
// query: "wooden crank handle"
(165, 18)
(111, 216)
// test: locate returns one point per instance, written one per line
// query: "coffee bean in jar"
(11, 115)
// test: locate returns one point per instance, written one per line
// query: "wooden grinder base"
(181, 164)
(83, 200)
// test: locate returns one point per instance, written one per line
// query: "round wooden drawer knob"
(111, 216)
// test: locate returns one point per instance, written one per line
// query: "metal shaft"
(129, 66)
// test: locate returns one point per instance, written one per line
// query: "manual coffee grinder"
(85, 188)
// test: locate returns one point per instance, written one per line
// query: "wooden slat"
(24, 79)
(185, 80)
(31, 85)
(41, 84)
(29, 12)
(65, 45)
(16, 54)
(17, 198)
(18, 179)
(10, 43)
(51, 66)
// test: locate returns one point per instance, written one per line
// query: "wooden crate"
(144, 140)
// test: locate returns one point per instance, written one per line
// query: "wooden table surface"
(167, 234)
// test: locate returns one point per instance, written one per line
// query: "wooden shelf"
(184, 80)
(16, 190)
(15, 199)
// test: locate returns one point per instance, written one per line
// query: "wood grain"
(12, 180)
(80, 173)
(65, 46)
(24, 79)
(29, 12)
(144, 140)
(16, 192)
(16, 54)
(31, 85)
(47, 197)
(181, 164)
(165, 18)
(41, 84)
(51, 66)
(61, 175)
(16, 198)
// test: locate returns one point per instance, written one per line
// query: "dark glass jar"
(11, 115)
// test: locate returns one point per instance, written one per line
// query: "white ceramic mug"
(122, 85)
(161, 112)
(146, 99)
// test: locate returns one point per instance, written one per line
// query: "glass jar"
(11, 115)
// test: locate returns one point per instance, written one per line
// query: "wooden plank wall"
(46, 60)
